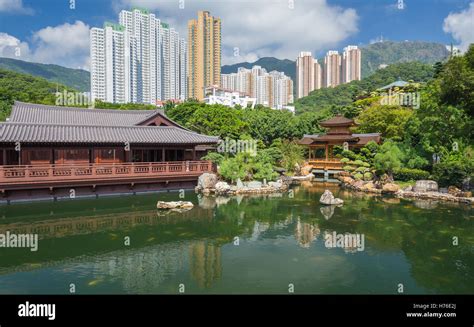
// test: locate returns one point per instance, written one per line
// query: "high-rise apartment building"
(273, 89)
(318, 75)
(139, 60)
(304, 74)
(332, 69)
(204, 54)
(351, 64)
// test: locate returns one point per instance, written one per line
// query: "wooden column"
(326, 151)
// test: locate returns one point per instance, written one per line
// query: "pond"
(245, 245)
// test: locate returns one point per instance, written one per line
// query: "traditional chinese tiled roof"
(55, 133)
(35, 123)
(337, 121)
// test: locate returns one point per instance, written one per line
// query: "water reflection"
(281, 238)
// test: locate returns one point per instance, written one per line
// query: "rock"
(222, 187)
(207, 181)
(306, 170)
(239, 184)
(390, 188)
(347, 180)
(254, 185)
(358, 184)
(409, 188)
(368, 187)
(298, 179)
(174, 205)
(454, 191)
(329, 199)
(276, 185)
(425, 186)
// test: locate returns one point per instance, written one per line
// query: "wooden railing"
(326, 164)
(98, 172)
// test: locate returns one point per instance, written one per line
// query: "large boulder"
(222, 187)
(164, 205)
(390, 188)
(425, 186)
(207, 181)
(254, 185)
(328, 199)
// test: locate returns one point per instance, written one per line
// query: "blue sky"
(50, 31)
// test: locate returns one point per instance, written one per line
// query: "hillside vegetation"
(76, 78)
(343, 95)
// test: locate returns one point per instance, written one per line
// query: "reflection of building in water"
(306, 233)
(205, 263)
(141, 270)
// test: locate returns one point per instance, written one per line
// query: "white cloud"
(461, 26)
(14, 6)
(265, 27)
(65, 45)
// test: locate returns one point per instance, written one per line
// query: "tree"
(389, 120)
(388, 158)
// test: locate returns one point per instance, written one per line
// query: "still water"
(258, 244)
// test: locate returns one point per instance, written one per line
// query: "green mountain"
(269, 63)
(26, 88)
(344, 95)
(76, 78)
(388, 52)
(373, 56)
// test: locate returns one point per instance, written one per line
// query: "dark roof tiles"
(54, 133)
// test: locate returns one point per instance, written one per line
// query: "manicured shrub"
(345, 160)
(358, 176)
(409, 174)
(359, 162)
(451, 173)
(368, 176)
(362, 169)
(348, 168)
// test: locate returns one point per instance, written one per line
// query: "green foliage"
(349, 168)
(26, 88)
(389, 52)
(234, 168)
(345, 160)
(358, 176)
(368, 176)
(324, 99)
(123, 106)
(217, 120)
(78, 79)
(292, 154)
(215, 157)
(388, 158)
(247, 167)
(409, 174)
(389, 120)
(452, 173)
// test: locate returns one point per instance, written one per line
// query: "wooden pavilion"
(338, 134)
